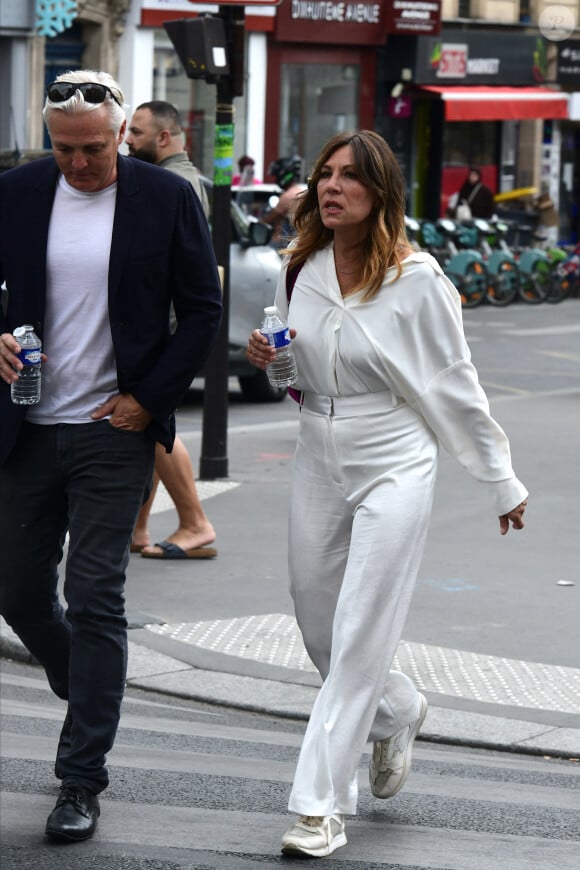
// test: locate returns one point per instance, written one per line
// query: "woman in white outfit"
(386, 376)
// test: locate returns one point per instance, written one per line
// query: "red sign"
(452, 63)
(331, 21)
(238, 2)
(413, 17)
(400, 107)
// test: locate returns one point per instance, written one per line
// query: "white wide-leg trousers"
(364, 474)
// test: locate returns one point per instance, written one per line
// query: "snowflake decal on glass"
(54, 16)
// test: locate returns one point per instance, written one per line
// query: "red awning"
(480, 103)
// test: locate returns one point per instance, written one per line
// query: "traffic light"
(201, 46)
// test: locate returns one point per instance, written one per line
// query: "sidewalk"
(244, 650)
(188, 670)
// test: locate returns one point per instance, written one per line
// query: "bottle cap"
(19, 331)
(271, 309)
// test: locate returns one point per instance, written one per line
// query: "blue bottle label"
(30, 356)
(281, 338)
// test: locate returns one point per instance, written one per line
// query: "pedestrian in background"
(385, 375)
(548, 219)
(476, 195)
(156, 136)
(246, 174)
(94, 247)
(286, 171)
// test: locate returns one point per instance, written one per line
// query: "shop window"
(525, 12)
(468, 144)
(464, 9)
(317, 101)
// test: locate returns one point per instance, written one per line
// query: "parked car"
(256, 199)
(254, 272)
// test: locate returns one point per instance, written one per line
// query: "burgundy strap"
(292, 273)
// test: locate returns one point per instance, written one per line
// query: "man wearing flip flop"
(155, 136)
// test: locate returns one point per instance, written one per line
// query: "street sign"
(238, 2)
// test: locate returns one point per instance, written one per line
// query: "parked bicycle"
(466, 267)
(504, 274)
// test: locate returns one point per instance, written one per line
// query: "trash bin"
(522, 224)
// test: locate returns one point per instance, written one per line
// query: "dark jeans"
(90, 480)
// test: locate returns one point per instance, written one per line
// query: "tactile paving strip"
(205, 489)
(274, 639)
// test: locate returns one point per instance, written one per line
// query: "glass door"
(316, 101)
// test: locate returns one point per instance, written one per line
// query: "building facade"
(447, 82)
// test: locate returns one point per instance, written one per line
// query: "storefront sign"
(450, 60)
(330, 21)
(413, 17)
(400, 107)
(461, 57)
(568, 71)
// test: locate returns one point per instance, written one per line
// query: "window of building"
(525, 12)
(316, 101)
(461, 147)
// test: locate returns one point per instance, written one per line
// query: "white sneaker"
(391, 759)
(315, 835)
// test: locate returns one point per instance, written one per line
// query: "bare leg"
(176, 474)
(141, 532)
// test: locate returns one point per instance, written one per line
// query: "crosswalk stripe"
(218, 787)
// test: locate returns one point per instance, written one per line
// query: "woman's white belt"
(348, 406)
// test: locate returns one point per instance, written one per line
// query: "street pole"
(213, 461)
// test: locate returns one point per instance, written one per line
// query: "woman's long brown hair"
(377, 168)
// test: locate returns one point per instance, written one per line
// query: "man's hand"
(125, 413)
(10, 365)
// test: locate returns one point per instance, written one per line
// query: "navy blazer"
(161, 252)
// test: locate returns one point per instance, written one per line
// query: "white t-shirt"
(408, 339)
(80, 372)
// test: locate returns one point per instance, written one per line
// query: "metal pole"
(214, 460)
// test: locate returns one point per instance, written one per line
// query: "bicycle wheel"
(560, 287)
(535, 285)
(504, 285)
(474, 285)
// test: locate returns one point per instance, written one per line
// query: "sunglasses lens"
(93, 93)
(58, 92)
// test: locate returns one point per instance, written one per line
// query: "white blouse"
(409, 339)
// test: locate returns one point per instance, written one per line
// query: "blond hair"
(77, 102)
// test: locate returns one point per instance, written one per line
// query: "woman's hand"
(259, 352)
(515, 516)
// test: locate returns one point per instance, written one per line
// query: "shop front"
(568, 77)
(321, 74)
(151, 70)
(322, 68)
(467, 98)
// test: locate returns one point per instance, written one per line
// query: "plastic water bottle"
(26, 390)
(282, 370)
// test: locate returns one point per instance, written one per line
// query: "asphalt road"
(198, 787)
(202, 787)
(476, 591)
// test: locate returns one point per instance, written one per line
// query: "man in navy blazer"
(94, 247)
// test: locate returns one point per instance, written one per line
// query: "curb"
(152, 671)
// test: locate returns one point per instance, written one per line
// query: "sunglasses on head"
(93, 92)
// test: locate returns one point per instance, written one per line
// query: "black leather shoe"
(64, 743)
(75, 814)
